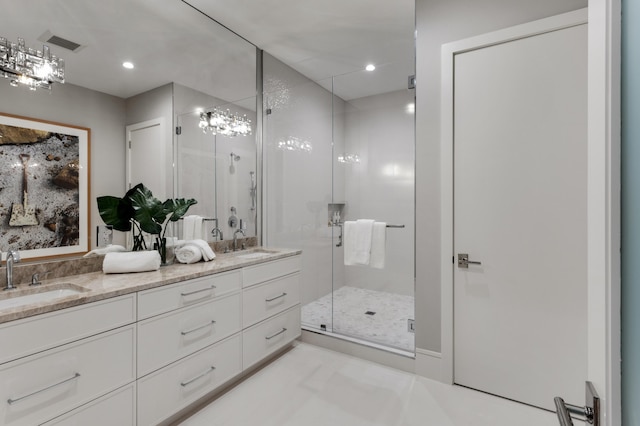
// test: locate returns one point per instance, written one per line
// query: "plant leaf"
(116, 212)
(149, 211)
(178, 207)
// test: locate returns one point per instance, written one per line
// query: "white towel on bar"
(362, 239)
(193, 227)
(378, 245)
(348, 231)
(357, 241)
(131, 261)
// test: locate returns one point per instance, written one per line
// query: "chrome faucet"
(240, 230)
(13, 256)
(216, 231)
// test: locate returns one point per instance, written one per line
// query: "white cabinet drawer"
(265, 300)
(116, 408)
(267, 337)
(166, 338)
(171, 389)
(267, 271)
(34, 334)
(168, 298)
(40, 387)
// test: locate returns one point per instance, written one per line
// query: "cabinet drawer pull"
(188, 382)
(189, 293)
(12, 400)
(210, 323)
(276, 334)
(271, 299)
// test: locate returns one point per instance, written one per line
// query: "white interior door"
(520, 208)
(146, 156)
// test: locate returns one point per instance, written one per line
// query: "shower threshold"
(370, 317)
(374, 345)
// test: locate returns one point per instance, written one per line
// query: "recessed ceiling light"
(128, 65)
(370, 67)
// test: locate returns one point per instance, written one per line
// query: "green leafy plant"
(139, 211)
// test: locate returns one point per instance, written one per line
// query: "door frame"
(603, 188)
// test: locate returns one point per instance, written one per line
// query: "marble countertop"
(96, 286)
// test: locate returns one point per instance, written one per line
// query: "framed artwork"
(44, 187)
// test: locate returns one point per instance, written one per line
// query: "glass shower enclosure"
(335, 159)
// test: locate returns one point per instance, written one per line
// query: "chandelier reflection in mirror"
(349, 158)
(294, 144)
(38, 69)
(224, 123)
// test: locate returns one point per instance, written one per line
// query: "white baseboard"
(429, 365)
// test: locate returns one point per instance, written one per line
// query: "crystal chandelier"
(224, 123)
(34, 68)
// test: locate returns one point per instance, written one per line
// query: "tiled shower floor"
(352, 316)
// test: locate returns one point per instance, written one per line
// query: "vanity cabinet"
(115, 408)
(191, 344)
(59, 376)
(271, 308)
(167, 391)
(141, 358)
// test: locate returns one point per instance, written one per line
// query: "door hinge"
(411, 325)
(268, 111)
(129, 144)
(412, 82)
(178, 130)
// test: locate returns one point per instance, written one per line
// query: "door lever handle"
(464, 262)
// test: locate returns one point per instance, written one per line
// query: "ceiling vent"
(53, 39)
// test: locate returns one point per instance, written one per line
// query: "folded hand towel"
(131, 261)
(378, 245)
(188, 253)
(363, 234)
(104, 250)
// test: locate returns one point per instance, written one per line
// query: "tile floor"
(313, 386)
(387, 326)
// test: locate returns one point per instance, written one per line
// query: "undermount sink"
(255, 253)
(32, 295)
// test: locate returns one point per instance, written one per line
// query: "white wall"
(380, 129)
(439, 22)
(103, 114)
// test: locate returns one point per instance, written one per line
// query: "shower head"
(232, 167)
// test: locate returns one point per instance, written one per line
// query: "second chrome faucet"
(13, 256)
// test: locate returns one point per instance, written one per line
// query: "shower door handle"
(464, 262)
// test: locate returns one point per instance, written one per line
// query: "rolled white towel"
(104, 250)
(133, 261)
(188, 253)
(207, 252)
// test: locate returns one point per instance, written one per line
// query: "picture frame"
(44, 187)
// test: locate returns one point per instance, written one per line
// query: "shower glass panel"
(330, 156)
(373, 178)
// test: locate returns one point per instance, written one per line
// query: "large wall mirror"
(184, 64)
